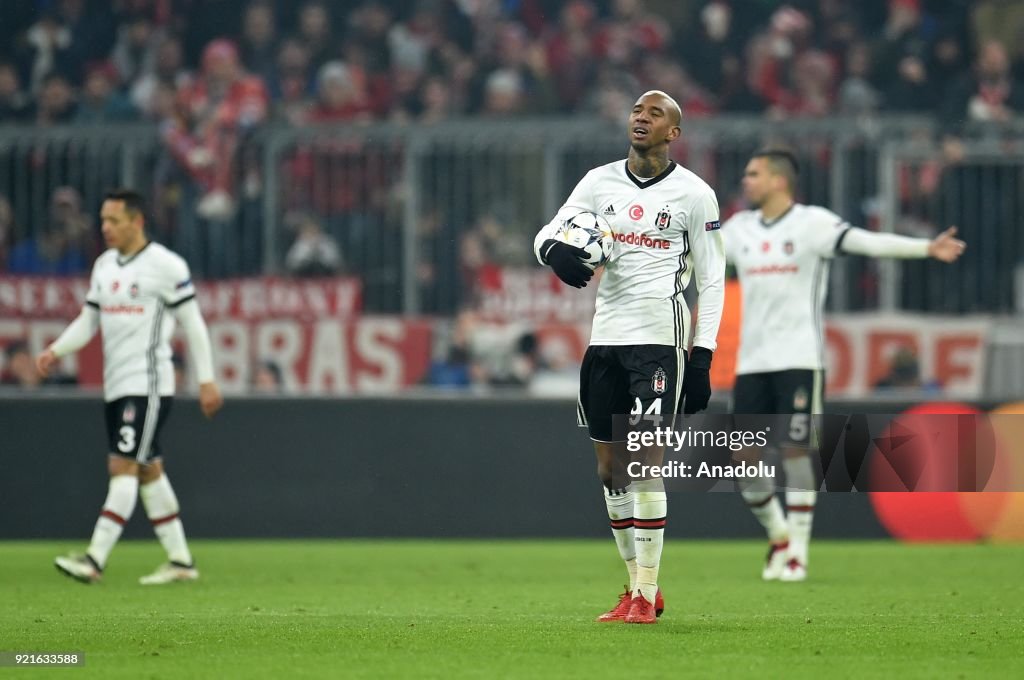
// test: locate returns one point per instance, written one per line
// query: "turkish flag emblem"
(636, 212)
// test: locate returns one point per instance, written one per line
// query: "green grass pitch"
(523, 609)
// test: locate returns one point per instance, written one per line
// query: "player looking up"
(136, 291)
(665, 221)
(781, 250)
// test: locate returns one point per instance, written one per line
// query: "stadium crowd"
(92, 61)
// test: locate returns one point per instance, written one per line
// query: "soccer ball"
(590, 232)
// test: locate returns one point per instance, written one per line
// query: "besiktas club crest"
(659, 381)
(664, 218)
(128, 415)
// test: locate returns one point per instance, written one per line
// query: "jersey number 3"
(127, 442)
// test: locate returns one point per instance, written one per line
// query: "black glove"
(567, 262)
(697, 381)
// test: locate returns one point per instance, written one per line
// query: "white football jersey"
(134, 297)
(783, 271)
(666, 231)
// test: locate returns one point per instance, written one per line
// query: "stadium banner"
(534, 295)
(948, 352)
(49, 297)
(310, 330)
(945, 354)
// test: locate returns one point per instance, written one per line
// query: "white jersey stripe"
(153, 403)
(820, 274)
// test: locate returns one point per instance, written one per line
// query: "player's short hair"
(782, 162)
(133, 200)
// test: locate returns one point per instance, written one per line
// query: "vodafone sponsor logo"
(773, 269)
(642, 240)
(123, 309)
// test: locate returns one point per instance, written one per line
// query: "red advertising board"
(312, 330)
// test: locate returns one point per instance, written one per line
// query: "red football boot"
(641, 611)
(659, 603)
(619, 611)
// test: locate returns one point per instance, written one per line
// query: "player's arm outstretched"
(78, 333)
(708, 254)
(186, 310)
(945, 247)
(566, 260)
(76, 336)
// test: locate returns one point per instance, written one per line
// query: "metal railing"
(417, 211)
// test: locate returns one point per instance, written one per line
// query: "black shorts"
(796, 394)
(134, 424)
(628, 379)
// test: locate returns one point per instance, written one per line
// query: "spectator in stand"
(101, 101)
(93, 28)
(138, 42)
(813, 77)
(14, 102)
(907, 34)
(19, 368)
(989, 94)
(905, 374)
(517, 79)
(662, 72)
(570, 53)
(341, 95)
(368, 47)
(857, 96)
(315, 32)
(706, 50)
(1001, 21)
(168, 72)
(292, 87)
(630, 34)
(910, 90)
(7, 231)
(65, 246)
(948, 58)
(773, 57)
(219, 107)
(313, 253)
(435, 102)
(267, 378)
(55, 104)
(258, 41)
(45, 49)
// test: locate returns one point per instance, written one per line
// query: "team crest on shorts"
(134, 290)
(800, 399)
(663, 219)
(128, 415)
(659, 381)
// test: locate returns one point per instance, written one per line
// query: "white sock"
(649, 511)
(759, 494)
(162, 509)
(620, 512)
(117, 510)
(800, 501)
